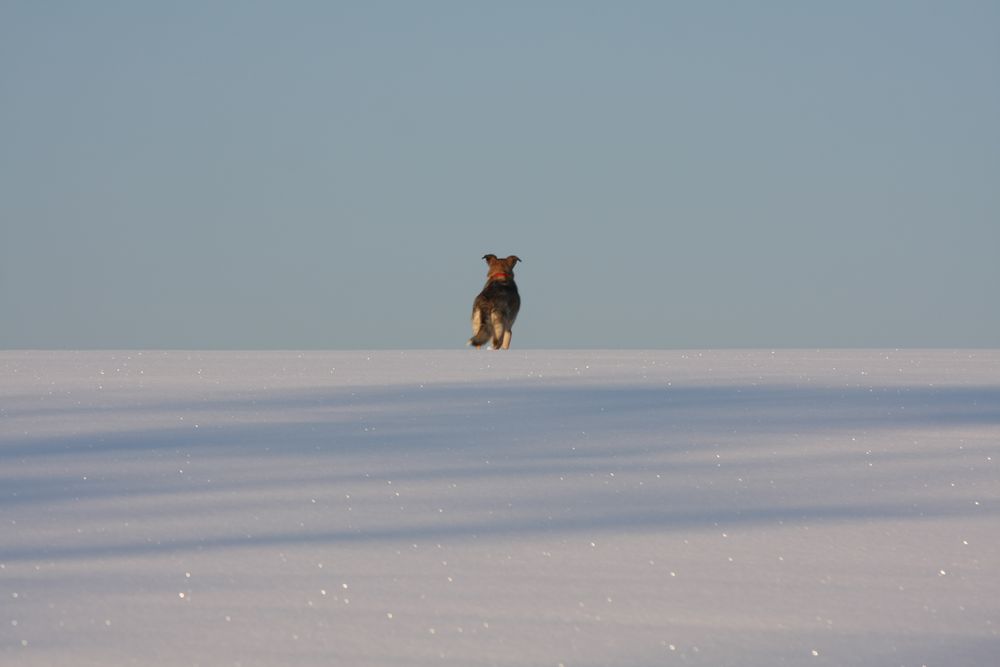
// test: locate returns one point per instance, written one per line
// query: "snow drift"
(577, 508)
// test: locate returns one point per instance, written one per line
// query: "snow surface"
(577, 508)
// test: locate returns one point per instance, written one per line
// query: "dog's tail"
(480, 327)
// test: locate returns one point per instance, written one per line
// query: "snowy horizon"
(531, 507)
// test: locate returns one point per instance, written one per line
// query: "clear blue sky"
(329, 174)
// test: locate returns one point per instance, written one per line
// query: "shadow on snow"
(637, 458)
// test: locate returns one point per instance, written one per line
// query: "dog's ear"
(513, 259)
(489, 258)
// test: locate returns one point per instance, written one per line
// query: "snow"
(577, 508)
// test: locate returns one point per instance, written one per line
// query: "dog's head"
(501, 269)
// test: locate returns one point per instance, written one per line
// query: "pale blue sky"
(329, 174)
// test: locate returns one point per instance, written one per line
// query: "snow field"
(577, 508)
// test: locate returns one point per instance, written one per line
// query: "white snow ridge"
(464, 508)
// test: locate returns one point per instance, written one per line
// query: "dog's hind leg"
(498, 329)
(480, 332)
(506, 340)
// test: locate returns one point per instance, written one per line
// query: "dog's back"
(496, 307)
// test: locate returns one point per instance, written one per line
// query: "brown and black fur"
(495, 309)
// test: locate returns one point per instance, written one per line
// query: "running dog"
(495, 309)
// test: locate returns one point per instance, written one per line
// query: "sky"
(328, 175)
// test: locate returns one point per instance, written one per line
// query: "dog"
(495, 309)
